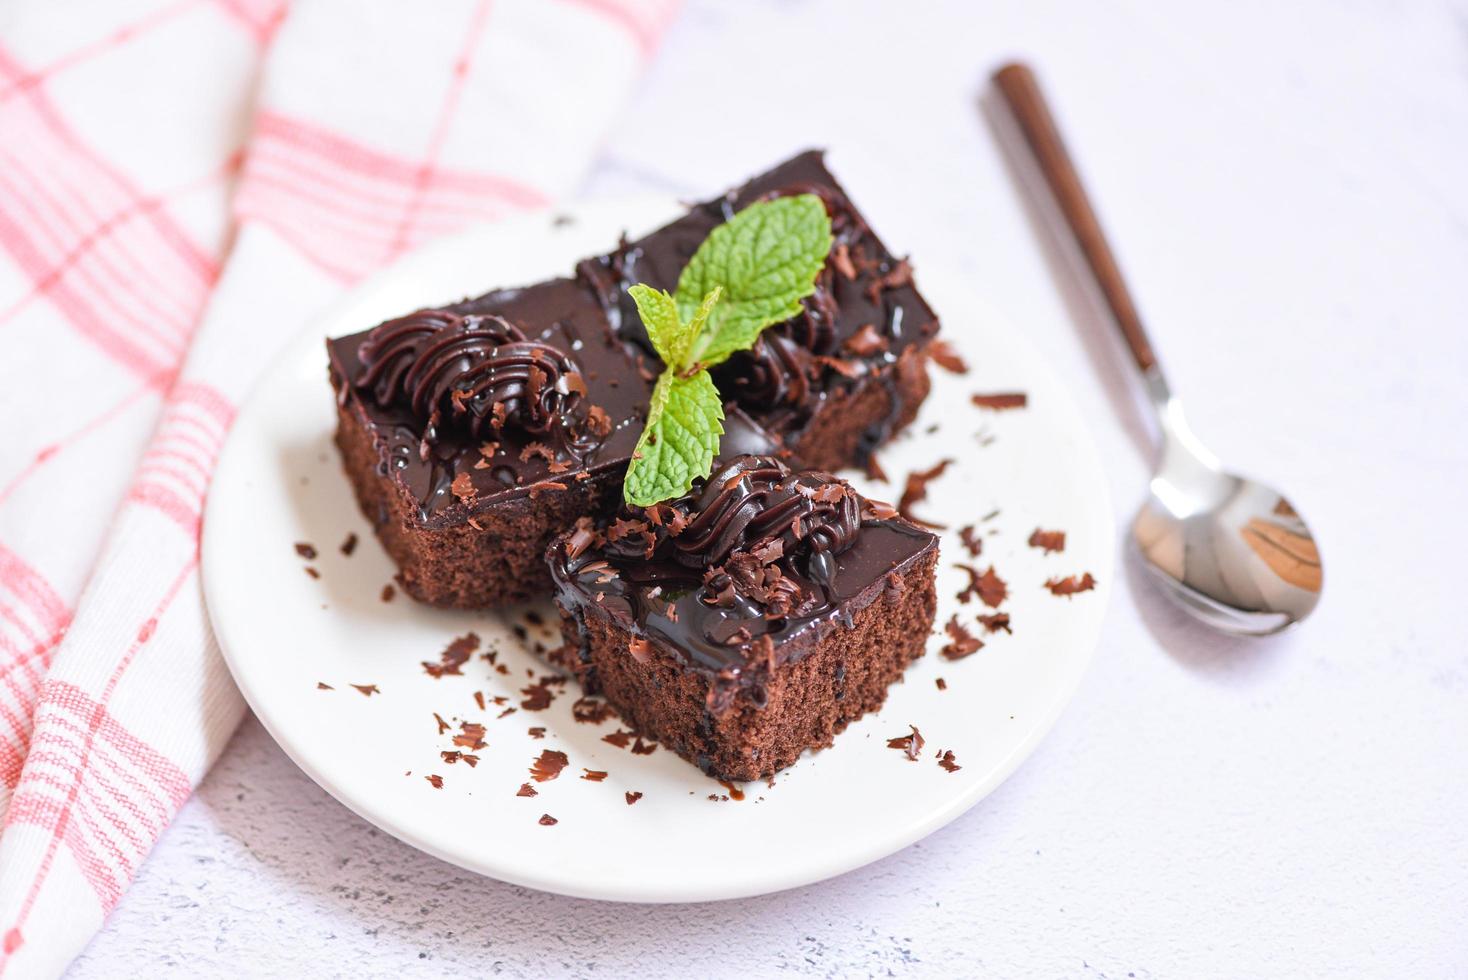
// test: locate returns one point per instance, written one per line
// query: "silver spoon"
(1231, 551)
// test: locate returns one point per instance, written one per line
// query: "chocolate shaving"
(593, 775)
(640, 649)
(437, 781)
(549, 765)
(942, 684)
(1001, 402)
(874, 469)
(471, 736)
(994, 622)
(546, 820)
(527, 790)
(895, 278)
(865, 342)
(479, 699)
(591, 711)
(911, 744)
(1071, 585)
(463, 488)
(989, 587)
(454, 656)
(312, 572)
(350, 544)
(946, 357)
(621, 738)
(964, 642)
(537, 449)
(305, 550)
(598, 422)
(639, 747)
(538, 696)
(323, 686)
(367, 689)
(841, 259)
(633, 798)
(1048, 541)
(972, 543)
(387, 593)
(443, 726)
(946, 760)
(917, 489)
(536, 732)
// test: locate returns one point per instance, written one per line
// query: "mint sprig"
(750, 272)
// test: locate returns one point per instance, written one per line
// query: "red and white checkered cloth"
(181, 185)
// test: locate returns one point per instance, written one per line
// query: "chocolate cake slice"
(835, 382)
(749, 620)
(472, 434)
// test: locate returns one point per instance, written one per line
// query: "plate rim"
(776, 879)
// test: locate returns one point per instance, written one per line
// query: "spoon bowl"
(1231, 551)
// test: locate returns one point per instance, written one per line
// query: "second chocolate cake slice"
(749, 620)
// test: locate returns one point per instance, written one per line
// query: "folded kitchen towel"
(182, 184)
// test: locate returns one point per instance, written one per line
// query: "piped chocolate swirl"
(474, 374)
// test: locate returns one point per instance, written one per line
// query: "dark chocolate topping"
(564, 317)
(754, 505)
(796, 363)
(472, 373)
(743, 573)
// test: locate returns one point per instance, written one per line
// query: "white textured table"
(1286, 187)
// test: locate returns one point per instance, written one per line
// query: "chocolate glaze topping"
(476, 374)
(863, 289)
(743, 573)
(552, 430)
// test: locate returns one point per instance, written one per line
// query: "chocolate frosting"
(473, 373)
(590, 433)
(864, 311)
(743, 573)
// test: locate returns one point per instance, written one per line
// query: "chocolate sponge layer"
(808, 701)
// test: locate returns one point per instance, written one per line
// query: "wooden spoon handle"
(1021, 91)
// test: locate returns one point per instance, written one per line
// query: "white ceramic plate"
(283, 632)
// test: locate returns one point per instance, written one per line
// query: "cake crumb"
(633, 797)
(306, 550)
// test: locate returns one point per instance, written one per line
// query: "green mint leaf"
(680, 438)
(665, 329)
(765, 259)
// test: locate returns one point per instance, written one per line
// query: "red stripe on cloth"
(195, 256)
(48, 452)
(87, 52)
(60, 699)
(31, 589)
(195, 420)
(345, 205)
(441, 127)
(260, 18)
(643, 20)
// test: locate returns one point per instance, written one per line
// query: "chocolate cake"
(835, 382)
(472, 434)
(749, 620)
